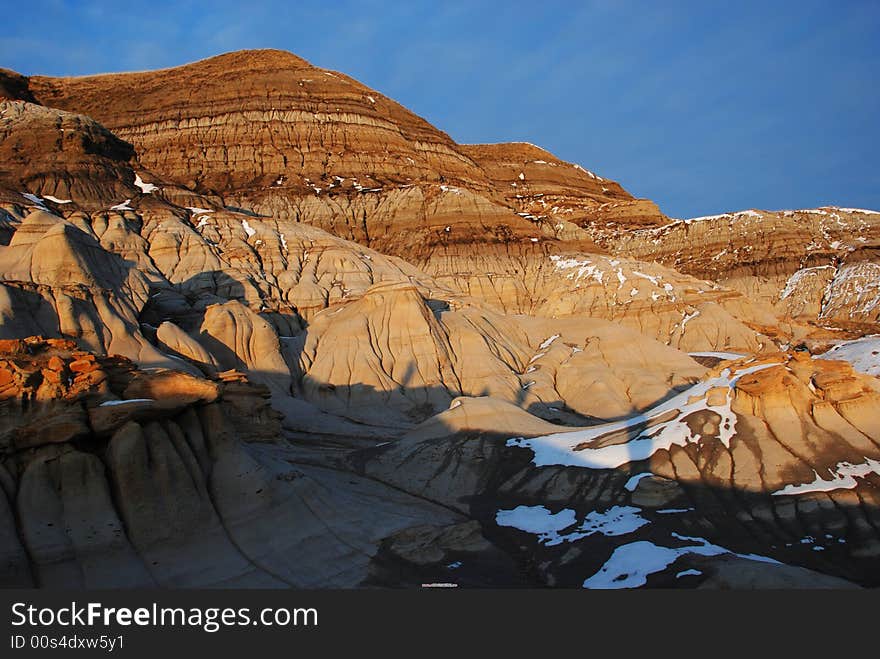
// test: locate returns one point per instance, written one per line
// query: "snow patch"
(650, 278)
(859, 210)
(34, 199)
(114, 403)
(738, 214)
(687, 318)
(633, 482)
(855, 290)
(538, 520)
(560, 448)
(588, 172)
(146, 188)
(56, 199)
(795, 280)
(630, 564)
(585, 268)
(719, 355)
(843, 477)
(863, 354)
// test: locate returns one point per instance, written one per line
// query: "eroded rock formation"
(286, 324)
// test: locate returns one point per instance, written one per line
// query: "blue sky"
(703, 107)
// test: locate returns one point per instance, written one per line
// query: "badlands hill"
(262, 326)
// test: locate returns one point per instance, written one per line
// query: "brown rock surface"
(62, 156)
(814, 264)
(280, 142)
(14, 86)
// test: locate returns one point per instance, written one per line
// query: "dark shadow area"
(822, 532)
(785, 529)
(560, 413)
(184, 304)
(30, 313)
(473, 472)
(8, 226)
(244, 211)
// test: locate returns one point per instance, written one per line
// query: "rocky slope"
(819, 265)
(253, 310)
(772, 460)
(271, 133)
(61, 155)
(156, 478)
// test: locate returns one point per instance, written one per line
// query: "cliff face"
(62, 155)
(816, 264)
(254, 310)
(14, 86)
(240, 121)
(269, 132)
